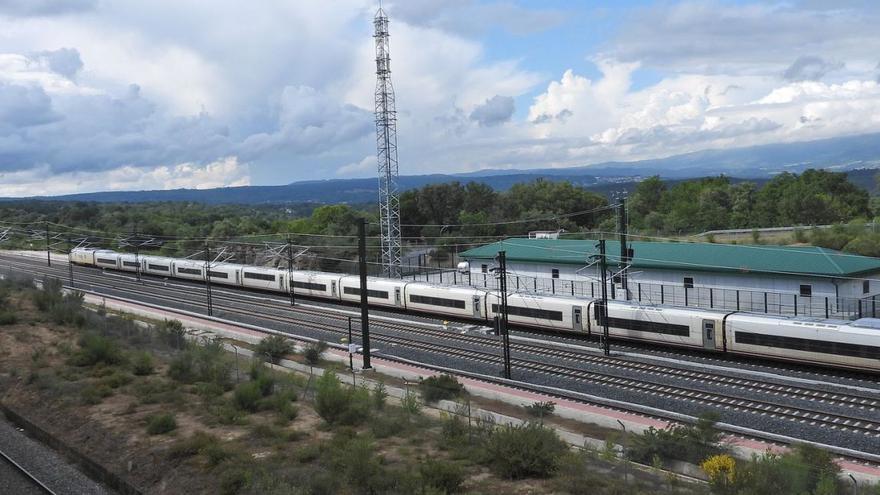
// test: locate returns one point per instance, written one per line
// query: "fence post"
(685, 296)
(827, 315)
(765, 302)
(441, 275)
(535, 283)
(711, 299)
(484, 281)
(553, 285)
(662, 295)
(572, 287)
(795, 304)
(873, 306)
(592, 290)
(860, 308)
(639, 285)
(517, 283)
(737, 299)
(455, 277)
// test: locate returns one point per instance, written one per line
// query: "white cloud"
(364, 167)
(227, 172)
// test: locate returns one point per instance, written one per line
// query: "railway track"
(30, 479)
(806, 415)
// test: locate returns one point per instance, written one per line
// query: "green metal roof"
(795, 260)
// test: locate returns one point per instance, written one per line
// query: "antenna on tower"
(386, 145)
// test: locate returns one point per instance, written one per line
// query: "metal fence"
(767, 302)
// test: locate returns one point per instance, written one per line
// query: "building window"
(866, 286)
(554, 273)
(689, 282)
(484, 268)
(806, 290)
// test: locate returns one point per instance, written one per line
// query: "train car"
(130, 262)
(839, 343)
(464, 302)
(380, 291)
(545, 312)
(225, 273)
(83, 256)
(264, 278)
(696, 328)
(188, 269)
(316, 284)
(107, 259)
(157, 265)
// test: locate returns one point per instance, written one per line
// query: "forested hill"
(858, 156)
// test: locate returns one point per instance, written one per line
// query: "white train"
(837, 343)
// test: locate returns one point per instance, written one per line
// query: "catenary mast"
(386, 144)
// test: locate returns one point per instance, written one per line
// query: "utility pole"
(365, 314)
(137, 252)
(503, 330)
(623, 263)
(48, 251)
(69, 261)
(290, 271)
(603, 303)
(208, 278)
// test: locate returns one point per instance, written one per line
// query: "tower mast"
(386, 145)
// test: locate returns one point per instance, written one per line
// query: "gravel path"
(13, 481)
(44, 463)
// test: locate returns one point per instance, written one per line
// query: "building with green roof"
(803, 278)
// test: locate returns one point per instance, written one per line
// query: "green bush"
(443, 476)
(94, 393)
(313, 352)
(203, 363)
(440, 387)
(247, 396)
(8, 317)
(192, 445)
(173, 334)
(142, 364)
(339, 404)
(275, 347)
(528, 450)
(96, 349)
(803, 470)
(691, 443)
(541, 409)
(161, 423)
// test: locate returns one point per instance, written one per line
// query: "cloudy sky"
(157, 94)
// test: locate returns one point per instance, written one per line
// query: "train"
(853, 345)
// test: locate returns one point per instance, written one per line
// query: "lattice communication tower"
(386, 144)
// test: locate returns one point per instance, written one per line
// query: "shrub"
(803, 470)
(192, 445)
(274, 346)
(410, 403)
(282, 403)
(312, 353)
(7, 317)
(440, 387)
(443, 476)
(96, 349)
(247, 396)
(528, 450)
(204, 363)
(691, 443)
(338, 404)
(95, 393)
(142, 364)
(158, 424)
(172, 333)
(541, 409)
(380, 394)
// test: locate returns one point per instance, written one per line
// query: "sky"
(161, 94)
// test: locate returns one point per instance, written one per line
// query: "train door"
(477, 306)
(397, 296)
(333, 288)
(576, 319)
(236, 277)
(281, 282)
(709, 334)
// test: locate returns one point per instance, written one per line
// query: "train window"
(541, 314)
(213, 274)
(806, 290)
(554, 273)
(107, 261)
(808, 345)
(647, 326)
(866, 286)
(309, 286)
(484, 268)
(130, 263)
(161, 268)
(689, 282)
(436, 301)
(189, 271)
(259, 276)
(356, 291)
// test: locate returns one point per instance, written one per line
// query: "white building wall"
(743, 291)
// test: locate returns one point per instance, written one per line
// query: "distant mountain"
(856, 155)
